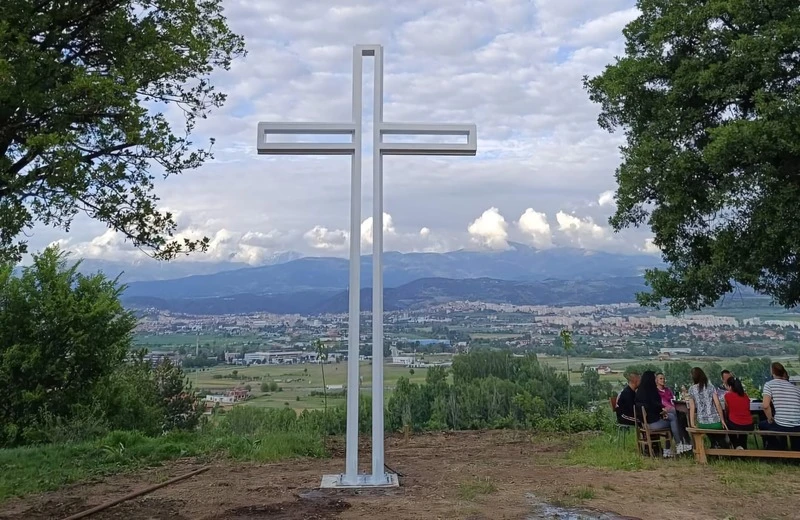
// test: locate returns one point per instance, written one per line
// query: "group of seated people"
(710, 408)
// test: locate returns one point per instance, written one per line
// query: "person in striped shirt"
(785, 397)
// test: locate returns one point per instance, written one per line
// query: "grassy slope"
(42, 468)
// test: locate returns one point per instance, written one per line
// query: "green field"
(298, 381)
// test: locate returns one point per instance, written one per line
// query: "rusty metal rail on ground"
(101, 507)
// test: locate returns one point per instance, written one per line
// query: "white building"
(222, 399)
(673, 351)
(403, 360)
(280, 358)
(397, 359)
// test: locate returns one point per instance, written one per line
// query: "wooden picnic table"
(701, 452)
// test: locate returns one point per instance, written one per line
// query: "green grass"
(752, 476)
(584, 493)
(299, 381)
(740, 476)
(602, 451)
(476, 487)
(43, 468)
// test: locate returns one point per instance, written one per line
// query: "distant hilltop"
(520, 263)
(422, 293)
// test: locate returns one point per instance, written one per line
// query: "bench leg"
(699, 448)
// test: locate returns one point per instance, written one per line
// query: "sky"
(543, 175)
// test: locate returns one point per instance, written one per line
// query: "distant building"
(795, 380)
(674, 350)
(238, 394)
(397, 359)
(279, 358)
(403, 360)
(603, 369)
(222, 399)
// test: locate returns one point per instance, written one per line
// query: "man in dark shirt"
(626, 400)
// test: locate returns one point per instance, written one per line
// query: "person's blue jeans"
(779, 443)
(670, 422)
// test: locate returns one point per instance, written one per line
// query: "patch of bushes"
(492, 390)
(270, 386)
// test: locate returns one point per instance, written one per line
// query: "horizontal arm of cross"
(265, 147)
(469, 131)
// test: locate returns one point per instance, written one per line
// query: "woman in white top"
(705, 409)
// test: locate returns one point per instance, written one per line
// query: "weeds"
(583, 493)
(602, 451)
(472, 489)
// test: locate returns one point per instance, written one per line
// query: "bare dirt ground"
(469, 475)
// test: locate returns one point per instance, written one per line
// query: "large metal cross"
(468, 146)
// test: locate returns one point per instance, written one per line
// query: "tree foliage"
(61, 334)
(83, 91)
(707, 95)
(65, 362)
(490, 389)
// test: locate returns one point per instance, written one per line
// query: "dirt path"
(475, 475)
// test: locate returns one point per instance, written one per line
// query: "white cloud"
(109, 245)
(607, 199)
(337, 240)
(389, 230)
(582, 232)
(536, 227)
(650, 247)
(320, 237)
(605, 27)
(489, 230)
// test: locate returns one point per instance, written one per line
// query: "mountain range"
(147, 269)
(519, 263)
(519, 275)
(417, 294)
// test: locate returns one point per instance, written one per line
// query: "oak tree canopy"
(708, 96)
(83, 90)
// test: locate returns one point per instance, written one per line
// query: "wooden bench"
(700, 450)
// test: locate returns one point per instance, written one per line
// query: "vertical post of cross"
(378, 472)
(354, 305)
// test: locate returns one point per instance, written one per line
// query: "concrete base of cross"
(387, 480)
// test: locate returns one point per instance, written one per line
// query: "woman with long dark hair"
(737, 404)
(656, 415)
(705, 410)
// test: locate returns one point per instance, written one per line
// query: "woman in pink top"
(666, 394)
(666, 401)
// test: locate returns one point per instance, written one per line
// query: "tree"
(79, 128)
(61, 335)
(322, 355)
(707, 96)
(182, 409)
(566, 343)
(591, 381)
